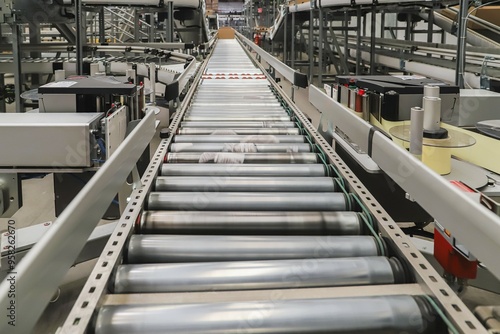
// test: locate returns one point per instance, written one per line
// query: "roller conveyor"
(247, 275)
(251, 222)
(228, 184)
(276, 169)
(258, 201)
(237, 124)
(240, 147)
(241, 131)
(195, 248)
(239, 139)
(243, 201)
(247, 158)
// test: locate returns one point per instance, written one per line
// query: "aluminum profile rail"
(295, 77)
(43, 268)
(306, 6)
(62, 47)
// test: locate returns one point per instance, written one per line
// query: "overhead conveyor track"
(241, 204)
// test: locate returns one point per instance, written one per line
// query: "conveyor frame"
(428, 280)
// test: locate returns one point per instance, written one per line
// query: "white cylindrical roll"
(60, 75)
(94, 69)
(416, 130)
(431, 91)
(432, 113)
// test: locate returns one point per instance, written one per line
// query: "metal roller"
(238, 139)
(245, 183)
(224, 112)
(236, 110)
(243, 170)
(258, 201)
(251, 131)
(235, 98)
(254, 124)
(256, 275)
(251, 222)
(233, 91)
(226, 105)
(236, 118)
(215, 248)
(240, 147)
(242, 158)
(356, 315)
(252, 96)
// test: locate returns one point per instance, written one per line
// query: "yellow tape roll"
(437, 158)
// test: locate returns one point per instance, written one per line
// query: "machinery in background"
(70, 145)
(120, 98)
(390, 98)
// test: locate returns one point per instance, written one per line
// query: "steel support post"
(292, 51)
(358, 41)
(372, 41)
(346, 34)
(151, 27)
(79, 39)
(102, 32)
(137, 25)
(462, 43)
(320, 47)
(2, 87)
(170, 23)
(382, 24)
(285, 26)
(17, 40)
(310, 44)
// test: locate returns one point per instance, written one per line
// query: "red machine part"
(446, 252)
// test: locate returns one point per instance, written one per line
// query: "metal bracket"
(484, 79)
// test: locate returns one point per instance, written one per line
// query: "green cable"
(375, 234)
(336, 171)
(364, 218)
(364, 208)
(448, 323)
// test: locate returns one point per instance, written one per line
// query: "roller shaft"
(252, 275)
(250, 131)
(250, 222)
(259, 112)
(199, 248)
(240, 147)
(238, 139)
(239, 124)
(243, 170)
(237, 109)
(236, 118)
(228, 184)
(240, 158)
(241, 104)
(375, 315)
(258, 201)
